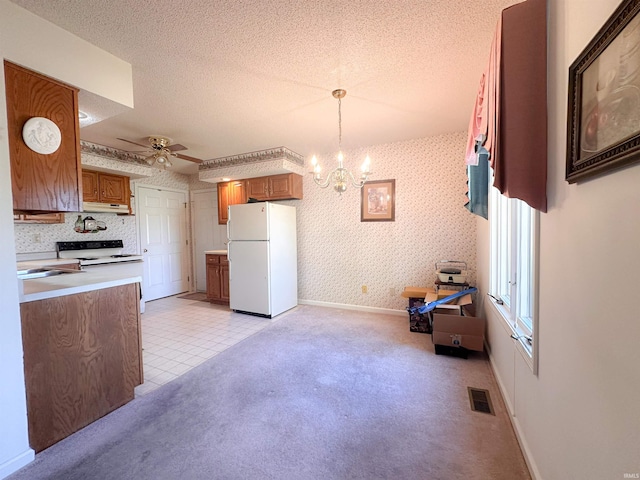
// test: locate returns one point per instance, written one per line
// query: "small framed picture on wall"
(378, 201)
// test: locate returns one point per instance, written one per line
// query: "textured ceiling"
(225, 77)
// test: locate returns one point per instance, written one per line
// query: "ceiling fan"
(161, 149)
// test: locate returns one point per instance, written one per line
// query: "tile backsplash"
(35, 238)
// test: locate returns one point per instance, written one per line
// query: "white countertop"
(215, 252)
(70, 284)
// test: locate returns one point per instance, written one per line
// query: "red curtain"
(511, 108)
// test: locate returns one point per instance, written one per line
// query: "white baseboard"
(524, 446)
(16, 463)
(361, 308)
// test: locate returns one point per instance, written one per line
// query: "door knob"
(145, 250)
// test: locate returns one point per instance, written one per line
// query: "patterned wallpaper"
(338, 254)
(118, 227)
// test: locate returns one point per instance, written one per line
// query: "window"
(514, 250)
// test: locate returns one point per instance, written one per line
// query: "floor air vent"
(480, 400)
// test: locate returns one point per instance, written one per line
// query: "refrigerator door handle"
(228, 240)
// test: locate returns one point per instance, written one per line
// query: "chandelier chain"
(340, 124)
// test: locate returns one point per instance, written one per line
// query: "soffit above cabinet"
(111, 160)
(272, 161)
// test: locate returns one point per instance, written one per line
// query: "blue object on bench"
(430, 306)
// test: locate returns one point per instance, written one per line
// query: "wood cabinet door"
(257, 188)
(82, 359)
(213, 275)
(224, 278)
(113, 188)
(42, 218)
(90, 192)
(223, 202)
(285, 187)
(238, 192)
(42, 182)
(214, 291)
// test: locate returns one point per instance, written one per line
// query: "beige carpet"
(319, 393)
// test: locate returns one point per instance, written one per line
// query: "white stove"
(96, 253)
(105, 255)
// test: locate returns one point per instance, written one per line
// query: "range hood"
(95, 207)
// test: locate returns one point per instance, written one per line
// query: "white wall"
(37, 44)
(14, 441)
(580, 417)
(29, 41)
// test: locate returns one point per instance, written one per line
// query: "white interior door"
(207, 233)
(163, 239)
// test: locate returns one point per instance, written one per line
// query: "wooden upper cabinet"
(90, 191)
(287, 186)
(43, 182)
(114, 188)
(39, 218)
(230, 193)
(105, 188)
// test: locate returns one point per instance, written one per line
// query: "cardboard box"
(417, 292)
(450, 328)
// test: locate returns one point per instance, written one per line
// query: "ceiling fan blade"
(129, 141)
(188, 158)
(176, 147)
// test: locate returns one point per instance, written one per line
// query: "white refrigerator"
(263, 258)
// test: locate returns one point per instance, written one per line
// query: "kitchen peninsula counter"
(215, 252)
(50, 262)
(70, 284)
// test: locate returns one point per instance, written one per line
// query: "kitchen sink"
(43, 272)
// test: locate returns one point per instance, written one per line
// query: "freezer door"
(249, 277)
(248, 221)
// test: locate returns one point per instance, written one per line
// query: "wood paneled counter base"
(82, 359)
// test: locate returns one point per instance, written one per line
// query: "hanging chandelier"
(340, 176)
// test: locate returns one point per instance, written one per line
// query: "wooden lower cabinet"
(217, 279)
(82, 359)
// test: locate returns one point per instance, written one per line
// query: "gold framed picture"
(603, 131)
(378, 201)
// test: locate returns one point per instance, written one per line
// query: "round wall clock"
(41, 135)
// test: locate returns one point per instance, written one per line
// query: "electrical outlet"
(364, 289)
(37, 238)
(392, 292)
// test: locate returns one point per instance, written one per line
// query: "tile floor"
(178, 334)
